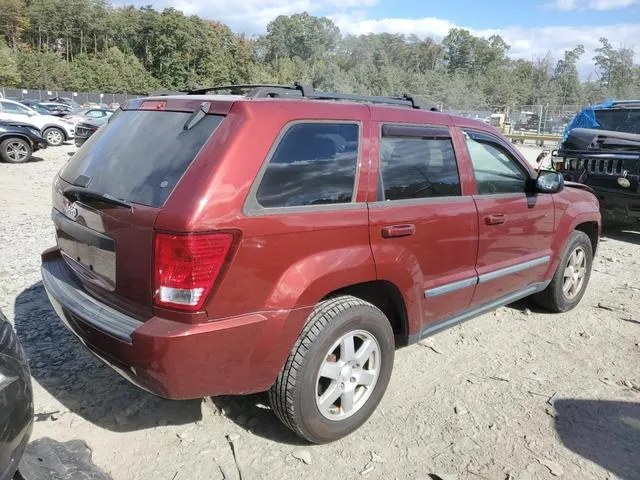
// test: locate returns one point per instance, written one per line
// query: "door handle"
(394, 231)
(497, 219)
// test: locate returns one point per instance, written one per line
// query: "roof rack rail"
(307, 91)
(165, 93)
(260, 87)
(620, 103)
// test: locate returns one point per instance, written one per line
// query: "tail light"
(187, 267)
(153, 105)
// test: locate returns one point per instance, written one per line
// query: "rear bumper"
(243, 354)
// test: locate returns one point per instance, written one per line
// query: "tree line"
(89, 45)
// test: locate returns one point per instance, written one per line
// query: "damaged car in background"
(605, 156)
(16, 400)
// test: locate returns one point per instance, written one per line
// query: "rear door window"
(313, 164)
(417, 162)
(139, 156)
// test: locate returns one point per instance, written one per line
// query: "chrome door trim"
(487, 277)
(450, 287)
(431, 329)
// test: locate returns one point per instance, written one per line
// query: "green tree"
(616, 69)
(44, 70)
(13, 20)
(566, 76)
(9, 73)
(301, 35)
(459, 49)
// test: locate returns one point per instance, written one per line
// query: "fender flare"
(21, 136)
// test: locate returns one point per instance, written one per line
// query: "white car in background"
(54, 130)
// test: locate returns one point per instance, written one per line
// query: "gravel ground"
(515, 394)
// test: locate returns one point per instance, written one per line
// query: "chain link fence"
(78, 97)
(532, 119)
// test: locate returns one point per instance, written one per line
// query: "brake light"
(187, 267)
(153, 105)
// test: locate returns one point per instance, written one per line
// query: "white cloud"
(525, 42)
(567, 5)
(423, 27)
(252, 16)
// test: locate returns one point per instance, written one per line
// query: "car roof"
(221, 104)
(403, 108)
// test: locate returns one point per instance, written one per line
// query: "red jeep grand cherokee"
(214, 244)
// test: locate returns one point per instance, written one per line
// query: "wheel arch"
(15, 135)
(592, 230)
(387, 297)
(57, 127)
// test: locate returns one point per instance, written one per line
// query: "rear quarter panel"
(285, 260)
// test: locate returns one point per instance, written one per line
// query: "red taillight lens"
(187, 266)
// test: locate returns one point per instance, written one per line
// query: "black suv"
(18, 141)
(606, 156)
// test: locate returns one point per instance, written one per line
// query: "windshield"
(41, 109)
(619, 120)
(139, 156)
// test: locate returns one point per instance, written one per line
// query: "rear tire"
(337, 372)
(54, 136)
(15, 150)
(571, 277)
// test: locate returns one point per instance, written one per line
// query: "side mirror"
(549, 182)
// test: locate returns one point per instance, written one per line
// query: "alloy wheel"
(575, 272)
(348, 375)
(17, 151)
(54, 137)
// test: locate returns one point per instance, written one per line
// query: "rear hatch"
(107, 198)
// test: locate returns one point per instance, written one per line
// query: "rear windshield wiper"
(197, 115)
(82, 193)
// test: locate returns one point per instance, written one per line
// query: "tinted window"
(619, 120)
(13, 108)
(139, 156)
(40, 109)
(418, 167)
(496, 171)
(314, 164)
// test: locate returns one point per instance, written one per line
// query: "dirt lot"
(515, 394)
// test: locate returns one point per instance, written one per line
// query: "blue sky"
(504, 13)
(531, 27)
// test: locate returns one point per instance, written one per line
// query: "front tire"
(54, 136)
(15, 150)
(571, 277)
(337, 372)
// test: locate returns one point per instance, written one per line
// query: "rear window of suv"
(619, 120)
(313, 164)
(139, 156)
